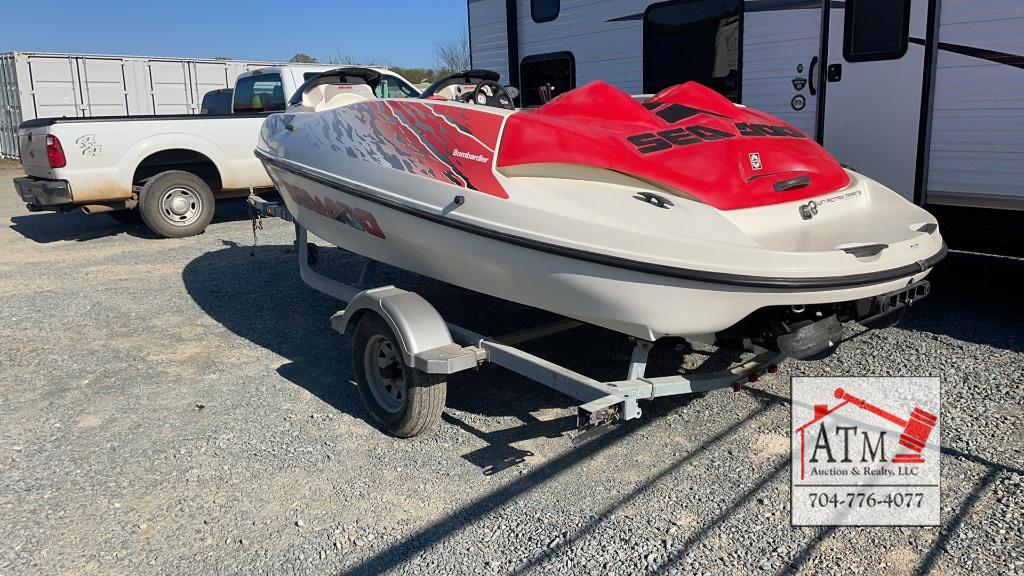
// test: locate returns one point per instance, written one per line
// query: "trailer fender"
(422, 334)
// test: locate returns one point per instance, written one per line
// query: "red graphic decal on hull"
(469, 157)
(355, 217)
(438, 141)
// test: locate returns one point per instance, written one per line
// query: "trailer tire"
(176, 204)
(400, 399)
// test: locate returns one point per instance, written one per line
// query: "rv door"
(874, 75)
(781, 60)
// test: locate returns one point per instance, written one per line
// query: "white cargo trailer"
(51, 85)
(926, 96)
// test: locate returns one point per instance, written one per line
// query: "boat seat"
(328, 96)
(453, 91)
(339, 100)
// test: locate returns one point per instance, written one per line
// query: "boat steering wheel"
(494, 95)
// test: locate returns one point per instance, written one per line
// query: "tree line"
(450, 55)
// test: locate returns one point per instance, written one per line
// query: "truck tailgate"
(32, 143)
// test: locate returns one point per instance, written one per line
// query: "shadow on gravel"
(458, 520)
(47, 227)
(928, 562)
(975, 298)
(806, 552)
(466, 515)
(980, 230)
(992, 473)
(680, 551)
(500, 454)
(263, 299)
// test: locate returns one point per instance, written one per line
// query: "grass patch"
(8, 163)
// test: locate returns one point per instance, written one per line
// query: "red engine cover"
(688, 138)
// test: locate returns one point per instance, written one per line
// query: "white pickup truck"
(168, 168)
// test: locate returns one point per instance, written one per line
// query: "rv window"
(698, 40)
(544, 76)
(876, 29)
(259, 93)
(544, 10)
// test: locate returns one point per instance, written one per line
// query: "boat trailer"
(427, 344)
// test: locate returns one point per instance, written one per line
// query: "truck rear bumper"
(41, 194)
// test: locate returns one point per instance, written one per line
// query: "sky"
(395, 32)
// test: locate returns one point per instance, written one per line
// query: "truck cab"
(268, 89)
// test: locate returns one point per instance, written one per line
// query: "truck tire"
(176, 204)
(401, 400)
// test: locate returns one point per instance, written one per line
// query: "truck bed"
(106, 156)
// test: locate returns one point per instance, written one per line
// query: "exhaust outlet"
(97, 208)
(109, 207)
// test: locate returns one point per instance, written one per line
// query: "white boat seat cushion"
(343, 99)
(453, 91)
(328, 96)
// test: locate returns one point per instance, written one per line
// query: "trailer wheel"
(403, 401)
(176, 204)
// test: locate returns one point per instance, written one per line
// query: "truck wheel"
(403, 401)
(176, 204)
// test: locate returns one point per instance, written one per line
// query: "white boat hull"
(681, 216)
(644, 305)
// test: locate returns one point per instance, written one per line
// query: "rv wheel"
(403, 401)
(175, 204)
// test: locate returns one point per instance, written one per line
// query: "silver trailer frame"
(432, 345)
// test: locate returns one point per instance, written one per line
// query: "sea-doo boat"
(682, 214)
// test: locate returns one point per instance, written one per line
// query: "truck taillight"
(55, 152)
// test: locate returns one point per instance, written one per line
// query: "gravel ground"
(179, 406)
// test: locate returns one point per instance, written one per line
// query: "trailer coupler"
(599, 416)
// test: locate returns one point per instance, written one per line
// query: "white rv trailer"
(57, 85)
(926, 96)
